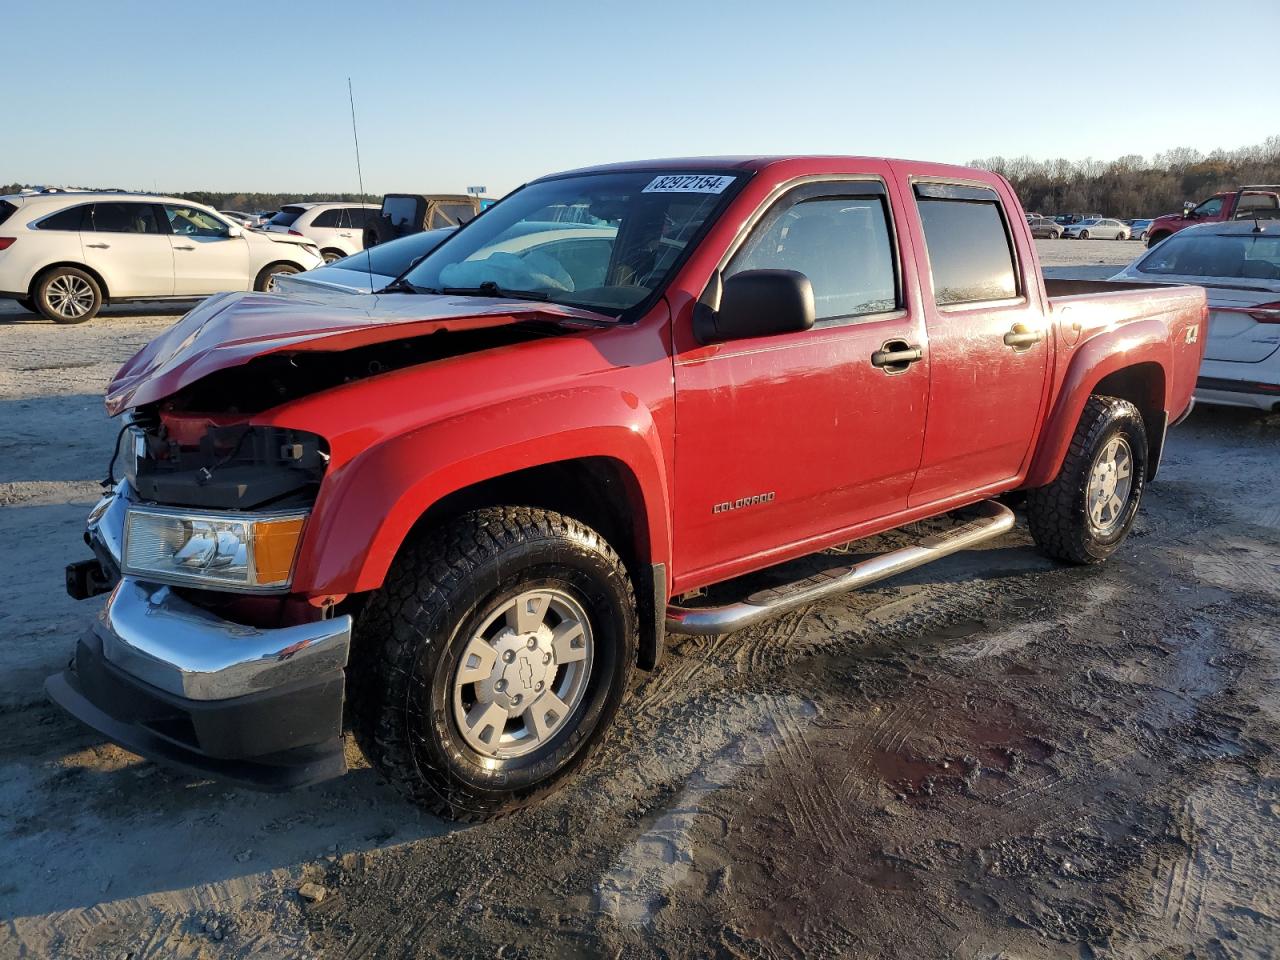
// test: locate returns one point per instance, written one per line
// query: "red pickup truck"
(454, 515)
(1259, 200)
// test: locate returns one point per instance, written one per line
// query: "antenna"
(368, 259)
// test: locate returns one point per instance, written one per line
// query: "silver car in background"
(1098, 229)
(1138, 229)
(1238, 264)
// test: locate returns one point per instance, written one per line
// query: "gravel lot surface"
(990, 756)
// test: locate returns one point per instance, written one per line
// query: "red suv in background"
(1259, 199)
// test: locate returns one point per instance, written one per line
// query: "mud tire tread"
(431, 572)
(1056, 511)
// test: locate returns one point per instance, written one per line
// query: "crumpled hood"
(231, 329)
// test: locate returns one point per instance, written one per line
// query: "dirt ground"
(993, 756)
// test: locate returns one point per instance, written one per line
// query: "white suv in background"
(65, 254)
(336, 228)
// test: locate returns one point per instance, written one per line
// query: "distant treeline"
(1133, 186)
(243, 202)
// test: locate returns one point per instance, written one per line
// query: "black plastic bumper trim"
(276, 740)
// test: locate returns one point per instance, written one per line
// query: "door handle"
(99, 246)
(1021, 337)
(896, 355)
(183, 247)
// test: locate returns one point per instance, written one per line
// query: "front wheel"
(492, 661)
(266, 280)
(1084, 234)
(1086, 512)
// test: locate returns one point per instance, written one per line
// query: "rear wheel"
(332, 255)
(1086, 512)
(266, 278)
(67, 295)
(493, 660)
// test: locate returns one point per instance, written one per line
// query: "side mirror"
(234, 231)
(1187, 207)
(755, 303)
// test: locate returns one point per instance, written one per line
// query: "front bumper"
(172, 681)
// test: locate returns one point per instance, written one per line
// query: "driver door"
(206, 258)
(789, 438)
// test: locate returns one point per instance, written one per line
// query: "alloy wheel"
(523, 673)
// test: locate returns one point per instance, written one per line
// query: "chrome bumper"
(151, 633)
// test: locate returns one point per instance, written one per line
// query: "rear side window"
(327, 218)
(970, 254)
(287, 215)
(124, 218)
(6, 210)
(840, 242)
(72, 218)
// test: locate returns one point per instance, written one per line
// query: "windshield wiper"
(491, 289)
(401, 285)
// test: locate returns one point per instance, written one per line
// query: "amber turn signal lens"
(275, 543)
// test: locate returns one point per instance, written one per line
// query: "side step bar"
(993, 519)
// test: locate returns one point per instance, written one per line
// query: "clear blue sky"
(232, 95)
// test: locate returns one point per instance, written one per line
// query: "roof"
(80, 196)
(754, 164)
(1270, 226)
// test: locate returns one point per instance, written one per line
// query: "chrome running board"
(993, 519)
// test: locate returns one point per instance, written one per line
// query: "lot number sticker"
(688, 183)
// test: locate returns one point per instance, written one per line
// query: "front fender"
(369, 504)
(1105, 353)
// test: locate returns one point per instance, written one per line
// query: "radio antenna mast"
(359, 176)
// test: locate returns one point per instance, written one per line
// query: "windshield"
(1236, 256)
(602, 241)
(393, 258)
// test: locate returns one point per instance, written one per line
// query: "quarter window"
(840, 242)
(970, 255)
(72, 218)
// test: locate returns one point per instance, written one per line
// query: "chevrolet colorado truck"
(1261, 200)
(452, 517)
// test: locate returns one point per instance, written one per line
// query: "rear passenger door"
(127, 245)
(987, 339)
(785, 438)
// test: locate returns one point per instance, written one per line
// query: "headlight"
(251, 552)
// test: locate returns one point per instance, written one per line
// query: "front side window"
(1235, 257)
(970, 253)
(841, 243)
(646, 222)
(124, 218)
(194, 222)
(1210, 208)
(354, 218)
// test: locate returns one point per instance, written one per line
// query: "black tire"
(1058, 512)
(330, 255)
(1057, 236)
(263, 282)
(414, 632)
(51, 299)
(27, 304)
(378, 230)
(1154, 238)
(1084, 234)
